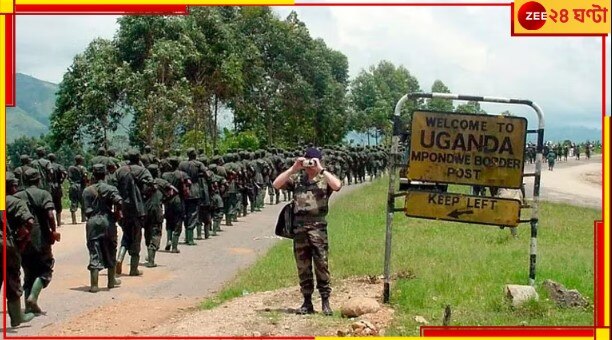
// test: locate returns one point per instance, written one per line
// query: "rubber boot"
(134, 266)
(215, 228)
(234, 218)
(112, 280)
(151, 258)
(244, 210)
(306, 307)
(58, 218)
(228, 220)
(93, 278)
(277, 199)
(325, 308)
(120, 257)
(73, 214)
(190, 241)
(175, 241)
(17, 316)
(198, 231)
(83, 219)
(169, 240)
(271, 200)
(207, 230)
(32, 299)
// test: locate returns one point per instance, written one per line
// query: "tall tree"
(439, 104)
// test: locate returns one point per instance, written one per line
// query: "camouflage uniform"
(37, 258)
(174, 207)
(77, 177)
(194, 169)
(101, 228)
(310, 243)
(59, 176)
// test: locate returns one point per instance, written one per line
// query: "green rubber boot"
(189, 237)
(73, 215)
(134, 265)
(17, 316)
(207, 230)
(198, 231)
(175, 241)
(120, 257)
(112, 280)
(169, 240)
(228, 220)
(32, 299)
(150, 258)
(215, 228)
(93, 278)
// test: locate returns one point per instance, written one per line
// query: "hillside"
(35, 101)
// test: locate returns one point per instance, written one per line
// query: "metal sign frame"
(394, 154)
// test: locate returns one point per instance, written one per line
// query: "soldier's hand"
(56, 236)
(297, 166)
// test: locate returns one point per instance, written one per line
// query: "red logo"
(532, 15)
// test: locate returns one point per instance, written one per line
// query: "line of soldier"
(557, 152)
(138, 192)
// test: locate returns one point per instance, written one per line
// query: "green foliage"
(242, 140)
(439, 104)
(473, 107)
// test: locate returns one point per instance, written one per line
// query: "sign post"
(467, 149)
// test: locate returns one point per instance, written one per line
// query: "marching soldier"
(59, 176)
(194, 169)
(102, 204)
(78, 178)
(174, 208)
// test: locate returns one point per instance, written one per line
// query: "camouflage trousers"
(310, 246)
(37, 263)
(76, 197)
(152, 234)
(13, 271)
(192, 207)
(132, 234)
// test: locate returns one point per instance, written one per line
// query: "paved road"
(180, 281)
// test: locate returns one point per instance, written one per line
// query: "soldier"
(26, 163)
(217, 188)
(194, 169)
(147, 158)
(45, 168)
(312, 189)
(59, 176)
(551, 156)
(174, 207)
(19, 224)
(102, 204)
(204, 215)
(577, 151)
(37, 258)
(78, 178)
(565, 152)
(100, 158)
(133, 180)
(155, 217)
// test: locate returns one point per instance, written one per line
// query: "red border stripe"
(433, 331)
(9, 61)
(101, 9)
(599, 274)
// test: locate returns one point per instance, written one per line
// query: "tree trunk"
(214, 129)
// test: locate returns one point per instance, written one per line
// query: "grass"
(461, 265)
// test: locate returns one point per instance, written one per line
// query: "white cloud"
(469, 49)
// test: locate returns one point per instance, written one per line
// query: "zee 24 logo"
(533, 15)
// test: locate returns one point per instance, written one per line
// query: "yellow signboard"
(463, 208)
(467, 149)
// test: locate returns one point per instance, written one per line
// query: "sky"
(469, 48)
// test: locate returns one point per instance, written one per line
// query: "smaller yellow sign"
(561, 17)
(463, 208)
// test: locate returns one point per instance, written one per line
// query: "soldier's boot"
(168, 240)
(271, 200)
(134, 259)
(58, 218)
(228, 220)
(120, 257)
(198, 231)
(190, 241)
(207, 230)
(112, 280)
(325, 308)
(277, 199)
(17, 316)
(73, 214)
(83, 219)
(175, 241)
(214, 229)
(234, 217)
(93, 279)
(306, 307)
(151, 258)
(31, 303)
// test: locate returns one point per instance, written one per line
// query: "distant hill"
(35, 102)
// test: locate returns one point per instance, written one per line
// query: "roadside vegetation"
(443, 263)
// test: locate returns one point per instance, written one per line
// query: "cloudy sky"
(469, 49)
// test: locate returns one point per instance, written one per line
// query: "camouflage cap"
(99, 169)
(11, 179)
(31, 175)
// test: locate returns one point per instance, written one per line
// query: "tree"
(440, 104)
(470, 107)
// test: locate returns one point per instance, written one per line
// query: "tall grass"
(461, 265)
